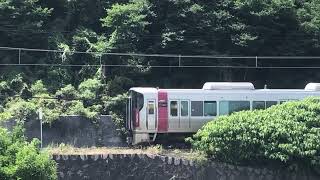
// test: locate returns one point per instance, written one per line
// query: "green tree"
(68, 92)
(128, 22)
(90, 91)
(19, 18)
(115, 106)
(38, 88)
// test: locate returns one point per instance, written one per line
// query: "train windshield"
(134, 105)
(137, 100)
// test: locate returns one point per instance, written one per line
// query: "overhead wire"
(160, 55)
(166, 66)
(49, 98)
(164, 56)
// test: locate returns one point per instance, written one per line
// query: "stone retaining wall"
(73, 130)
(122, 167)
(157, 167)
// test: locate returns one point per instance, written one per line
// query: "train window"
(174, 108)
(235, 106)
(258, 105)
(227, 107)
(210, 108)
(140, 101)
(223, 107)
(136, 105)
(196, 108)
(151, 107)
(184, 108)
(270, 103)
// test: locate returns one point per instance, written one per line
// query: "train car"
(153, 111)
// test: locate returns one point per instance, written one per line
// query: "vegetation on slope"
(187, 27)
(229, 27)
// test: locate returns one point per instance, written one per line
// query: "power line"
(164, 66)
(162, 55)
(127, 54)
(30, 31)
(55, 97)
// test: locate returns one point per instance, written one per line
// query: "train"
(151, 111)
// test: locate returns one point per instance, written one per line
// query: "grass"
(187, 154)
(64, 149)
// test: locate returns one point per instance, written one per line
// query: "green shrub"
(283, 134)
(21, 109)
(89, 90)
(17, 84)
(116, 107)
(4, 88)
(67, 92)
(116, 104)
(77, 108)
(118, 85)
(22, 160)
(38, 88)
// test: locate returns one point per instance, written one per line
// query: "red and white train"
(152, 111)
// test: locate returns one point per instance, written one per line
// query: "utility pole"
(40, 118)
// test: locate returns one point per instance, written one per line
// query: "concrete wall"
(155, 167)
(75, 130)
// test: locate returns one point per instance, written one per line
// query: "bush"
(22, 160)
(283, 134)
(4, 88)
(68, 92)
(119, 85)
(21, 109)
(116, 107)
(76, 107)
(17, 84)
(116, 104)
(89, 90)
(38, 88)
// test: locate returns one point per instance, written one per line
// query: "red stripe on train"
(162, 111)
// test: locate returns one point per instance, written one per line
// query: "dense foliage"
(228, 27)
(23, 160)
(283, 134)
(187, 27)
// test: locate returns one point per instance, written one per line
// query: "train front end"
(141, 115)
(134, 105)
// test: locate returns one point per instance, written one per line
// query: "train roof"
(144, 89)
(219, 87)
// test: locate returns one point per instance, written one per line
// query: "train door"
(151, 114)
(184, 114)
(174, 120)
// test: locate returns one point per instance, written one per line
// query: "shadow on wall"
(74, 130)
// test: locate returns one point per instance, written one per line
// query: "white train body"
(152, 111)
